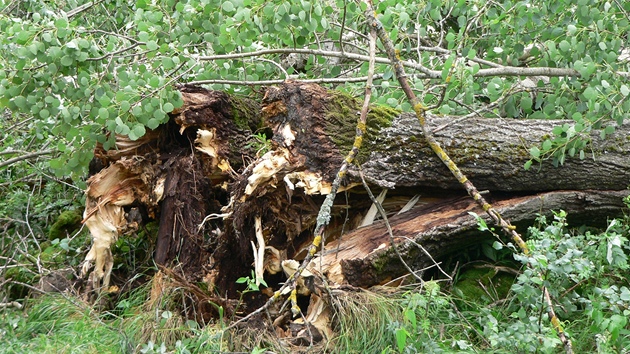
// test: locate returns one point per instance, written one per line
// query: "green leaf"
(526, 103)
(168, 107)
(167, 63)
(401, 339)
(152, 45)
(61, 23)
(66, 60)
(228, 6)
(137, 111)
(624, 90)
(527, 165)
(20, 102)
(590, 93)
(153, 123)
(447, 67)
(56, 164)
(138, 131)
(546, 145)
(154, 81)
(103, 113)
(125, 106)
(534, 152)
(450, 37)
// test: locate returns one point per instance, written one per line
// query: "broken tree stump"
(313, 128)
(176, 174)
(202, 179)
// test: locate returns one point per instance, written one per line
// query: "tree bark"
(314, 128)
(320, 127)
(364, 257)
(492, 153)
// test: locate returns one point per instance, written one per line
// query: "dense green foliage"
(114, 64)
(73, 75)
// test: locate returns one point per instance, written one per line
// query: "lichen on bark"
(342, 116)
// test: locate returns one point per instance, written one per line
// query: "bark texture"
(491, 153)
(364, 257)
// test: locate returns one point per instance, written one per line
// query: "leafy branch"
(420, 111)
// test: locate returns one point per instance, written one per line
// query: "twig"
(84, 7)
(435, 263)
(286, 74)
(112, 54)
(25, 157)
(16, 126)
(323, 217)
(52, 178)
(28, 224)
(343, 26)
(380, 209)
(339, 80)
(15, 304)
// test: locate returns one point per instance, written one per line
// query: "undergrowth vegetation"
(583, 269)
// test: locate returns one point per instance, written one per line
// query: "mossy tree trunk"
(204, 163)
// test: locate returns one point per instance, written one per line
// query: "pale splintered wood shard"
(121, 184)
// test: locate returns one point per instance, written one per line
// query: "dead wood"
(364, 257)
(176, 174)
(491, 153)
(200, 177)
(313, 129)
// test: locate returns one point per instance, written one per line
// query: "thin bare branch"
(433, 74)
(336, 80)
(84, 7)
(25, 157)
(390, 232)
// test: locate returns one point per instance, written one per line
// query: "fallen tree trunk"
(364, 257)
(200, 177)
(313, 129)
(490, 152)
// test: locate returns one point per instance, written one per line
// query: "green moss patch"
(343, 114)
(66, 223)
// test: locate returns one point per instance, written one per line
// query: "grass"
(355, 333)
(60, 323)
